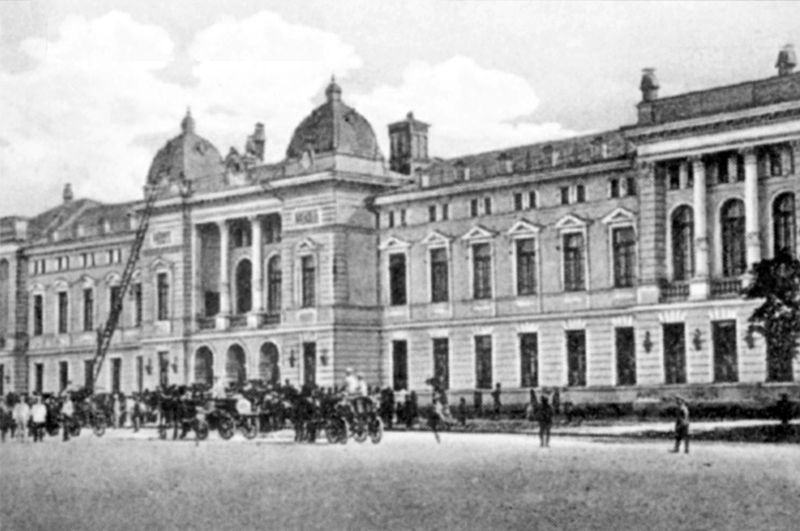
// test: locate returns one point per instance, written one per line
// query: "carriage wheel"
(99, 429)
(201, 430)
(375, 430)
(225, 428)
(249, 429)
(345, 432)
(360, 431)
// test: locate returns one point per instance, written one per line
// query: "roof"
(187, 156)
(334, 127)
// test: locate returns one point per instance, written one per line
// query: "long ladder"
(106, 332)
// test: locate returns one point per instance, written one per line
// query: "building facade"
(608, 265)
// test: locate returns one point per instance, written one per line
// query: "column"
(257, 281)
(224, 278)
(652, 233)
(699, 287)
(752, 239)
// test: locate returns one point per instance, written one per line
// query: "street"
(469, 481)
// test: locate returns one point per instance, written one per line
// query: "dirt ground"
(469, 481)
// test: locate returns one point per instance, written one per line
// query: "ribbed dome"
(335, 127)
(187, 155)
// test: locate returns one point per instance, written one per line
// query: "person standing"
(462, 412)
(496, 400)
(22, 415)
(38, 419)
(67, 412)
(437, 417)
(681, 425)
(544, 414)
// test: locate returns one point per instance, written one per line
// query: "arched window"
(682, 243)
(244, 275)
(235, 368)
(274, 285)
(784, 224)
(734, 254)
(204, 366)
(268, 368)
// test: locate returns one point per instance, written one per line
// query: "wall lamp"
(175, 364)
(697, 339)
(749, 339)
(149, 366)
(324, 358)
(648, 343)
(292, 359)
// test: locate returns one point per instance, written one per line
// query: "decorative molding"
(722, 314)
(394, 243)
(571, 221)
(478, 232)
(672, 316)
(574, 324)
(435, 238)
(622, 321)
(307, 245)
(619, 216)
(523, 227)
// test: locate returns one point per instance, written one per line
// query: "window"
(38, 315)
(734, 257)
(473, 208)
(717, 168)
(784, 224)
(272, 229)
(483, 362)
(445, 211)
(399, 365)
(432, 213)
(724, 337)
(244, 287)
(39, 378)
(682, 243)
(739, 167)
(626, 355)
(116, 375)
(532, 199)
(674, 353)
(140, 373)
(526, 266)
(162, 295)
(613, 188)
(564, 195)
(308, 278)
(88, 310)
(240, 234)
(274, 285)
(631, 185)
(63, 375)
(689, 175)
(481, 271)
(673, 170)
(624, 247)
(114, 296)
(573, 262)
(397, 279)
(136, 291)
(518, 201)
(310, 364)
(580, 193)
(576, 358)
(528, 355)
(487, 206)
(441, 361)
(88, 374)
(391, 219)
(439, 275)
(63, 312)
(402, 217)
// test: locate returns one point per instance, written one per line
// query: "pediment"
(478, 232)
(524, 227)
(306, 245)
(436, 238)
(112, 278)
(571, 221)
(393, 243)
(619, 215)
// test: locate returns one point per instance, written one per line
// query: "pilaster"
(699, 287)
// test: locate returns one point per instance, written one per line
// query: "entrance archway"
(204, 366)
(268, 364)
(235, 368)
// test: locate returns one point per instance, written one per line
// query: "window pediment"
(435, 238)
(86, 281)
(478, 233)
(571, 221)
(394, 243)
(307, 245)
(524, 227)
(112, 278)
(619, 216)
(61, 285)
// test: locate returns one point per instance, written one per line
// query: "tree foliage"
(777, 319)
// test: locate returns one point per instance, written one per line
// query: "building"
(608, 265)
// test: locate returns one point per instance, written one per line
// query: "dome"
(335, 127)
(186, 156)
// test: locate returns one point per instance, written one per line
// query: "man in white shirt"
(243, 405)
(67, 412)
(22, 414)
(350, 382)
(38, 418)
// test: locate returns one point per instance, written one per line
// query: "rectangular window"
(528, 357)
(580, 193)
(88, 310)
(626, 355)
(432, 213)
(391, 219)
(38, 383)
(140, 373)
(624, 247)
(613, 188)
(631, 184)
(487, 206)
(309, 274)
(63, 375)
(116, 375)
(441, 360)
(674, 353)
(482, 271)
(440, 289)
(532, 200)
(573, 262)
(576, 358)
(689, 175)
(163, 369)
(674, 175)
(564, 195)
(310, 364)
(162, 291)
(399, 365)
(38, 315)
(136, 290)
(526, 266)
(113, 296)
(483, 362)
(63, 312)
(724, 338)
(402, 217)
(518, 201)
(739, 167)
(473, 208)
(397, 279)
(88, 374)
(445, 211)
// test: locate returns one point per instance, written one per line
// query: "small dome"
(333, 127)
(187, 156)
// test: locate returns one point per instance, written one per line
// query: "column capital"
(695, 159)
(747, 151)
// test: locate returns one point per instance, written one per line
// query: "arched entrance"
(244, 276)
(268, 367)
(235, 368)
(204, 366)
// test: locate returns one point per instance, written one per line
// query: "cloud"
(471, 108)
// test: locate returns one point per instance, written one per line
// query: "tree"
(777, 281)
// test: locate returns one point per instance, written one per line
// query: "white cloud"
(471, 108)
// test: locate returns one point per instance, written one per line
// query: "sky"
(90, 90)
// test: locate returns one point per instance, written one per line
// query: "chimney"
(67, 194)
(259, 141)
(787, 60)
(649, 84)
